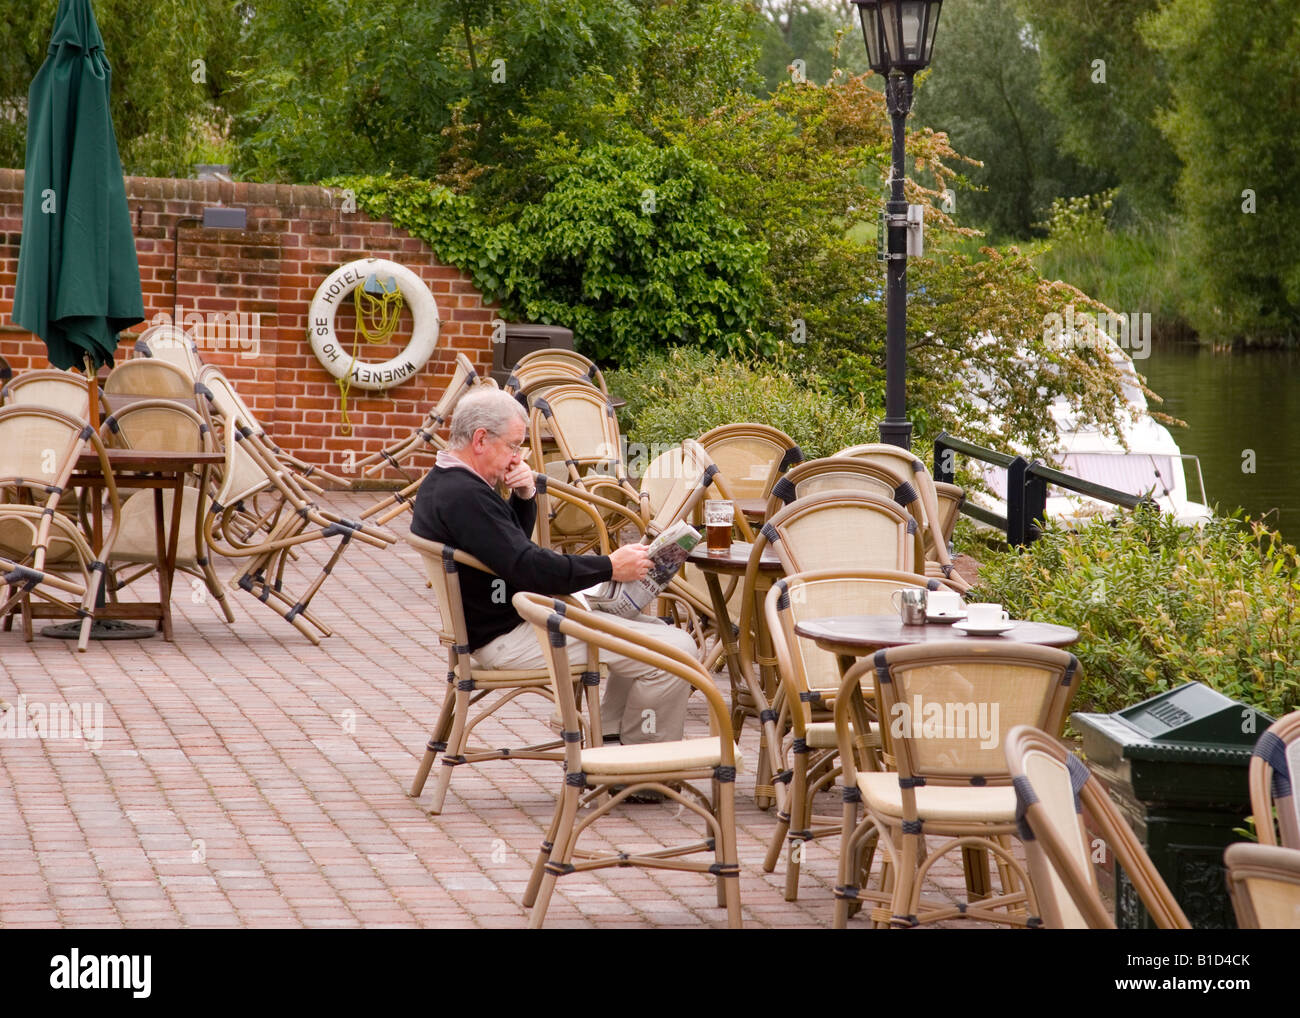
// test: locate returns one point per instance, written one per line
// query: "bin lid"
(1189, 722)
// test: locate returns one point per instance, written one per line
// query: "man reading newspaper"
(457, 504)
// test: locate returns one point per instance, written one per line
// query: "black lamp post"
(900, 39)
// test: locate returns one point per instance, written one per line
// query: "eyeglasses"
(514, 447)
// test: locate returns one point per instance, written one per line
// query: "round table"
(858, 635)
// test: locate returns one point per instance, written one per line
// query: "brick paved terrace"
(248, 779)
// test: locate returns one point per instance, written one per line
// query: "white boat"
(1152, 464)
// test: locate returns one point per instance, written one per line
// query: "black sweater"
(459, 508)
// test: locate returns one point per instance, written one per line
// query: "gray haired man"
(457, 504)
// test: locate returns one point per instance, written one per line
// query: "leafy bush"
(1157, 605)
(682, 393)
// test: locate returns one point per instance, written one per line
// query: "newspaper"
(629, 599)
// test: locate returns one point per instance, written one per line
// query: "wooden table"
(139, 468)
(859, 635)
(750, 695)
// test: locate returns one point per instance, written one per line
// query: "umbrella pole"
(92, 393)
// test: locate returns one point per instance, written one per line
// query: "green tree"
(1233, 119)
(823, 34)
(172, 78)
(1105, 84)
(983, 90)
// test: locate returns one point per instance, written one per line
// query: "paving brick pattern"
(248, 779)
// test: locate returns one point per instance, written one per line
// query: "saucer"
(987, 629)
(944, 618)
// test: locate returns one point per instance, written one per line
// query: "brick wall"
(296, 236)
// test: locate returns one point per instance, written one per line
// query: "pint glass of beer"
(718, 517)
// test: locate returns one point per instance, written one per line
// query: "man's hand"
(630, 562)
(519, 479)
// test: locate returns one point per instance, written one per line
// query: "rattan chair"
(291, 520)
(668, 768)
(554, 362)
(221, 393)
(163, 425)
(1053, 787)
(58, 390)
(952, 785)
(1274, 766)
(144, 376)
(173, 345)
(589, 453)
(468, 684)
(926, 508)
(1264, 885)
(810, 677)
(43, 554)
(750, 457)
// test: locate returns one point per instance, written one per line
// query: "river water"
(1236, 405)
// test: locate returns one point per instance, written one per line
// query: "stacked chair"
(161, 424)
(262, 513)
(918, 490)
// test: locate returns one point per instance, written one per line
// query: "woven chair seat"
(655, 757)
(952, 803)
(821, 735)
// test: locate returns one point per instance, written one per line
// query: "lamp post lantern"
(899, 36)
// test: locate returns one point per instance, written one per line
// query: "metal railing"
(1027, 482)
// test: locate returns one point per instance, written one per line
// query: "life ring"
(335, 357)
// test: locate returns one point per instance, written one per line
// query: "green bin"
(1176, 765)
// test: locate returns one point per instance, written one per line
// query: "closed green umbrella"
(78, 279)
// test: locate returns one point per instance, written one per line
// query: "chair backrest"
(173, 345)
(159, 425)
(146, 376)
(463, 379)
(843, 529)
(676, 482)
(1264, 885)
(39, 449)
(805, 668)
(750, 456)
(59, 390)
(442, 564)
(1274, 769)
(949, 705)
(950, 498)
(1053, 787)
(581, 420)
(927, 511)
(842, 473)
(558, 622)
(553, 362)
(241, 475)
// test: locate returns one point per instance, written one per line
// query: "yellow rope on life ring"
(376, 319)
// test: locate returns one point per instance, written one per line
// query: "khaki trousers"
(639, 703)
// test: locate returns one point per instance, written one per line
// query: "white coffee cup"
(985, 614)
(946, 602)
